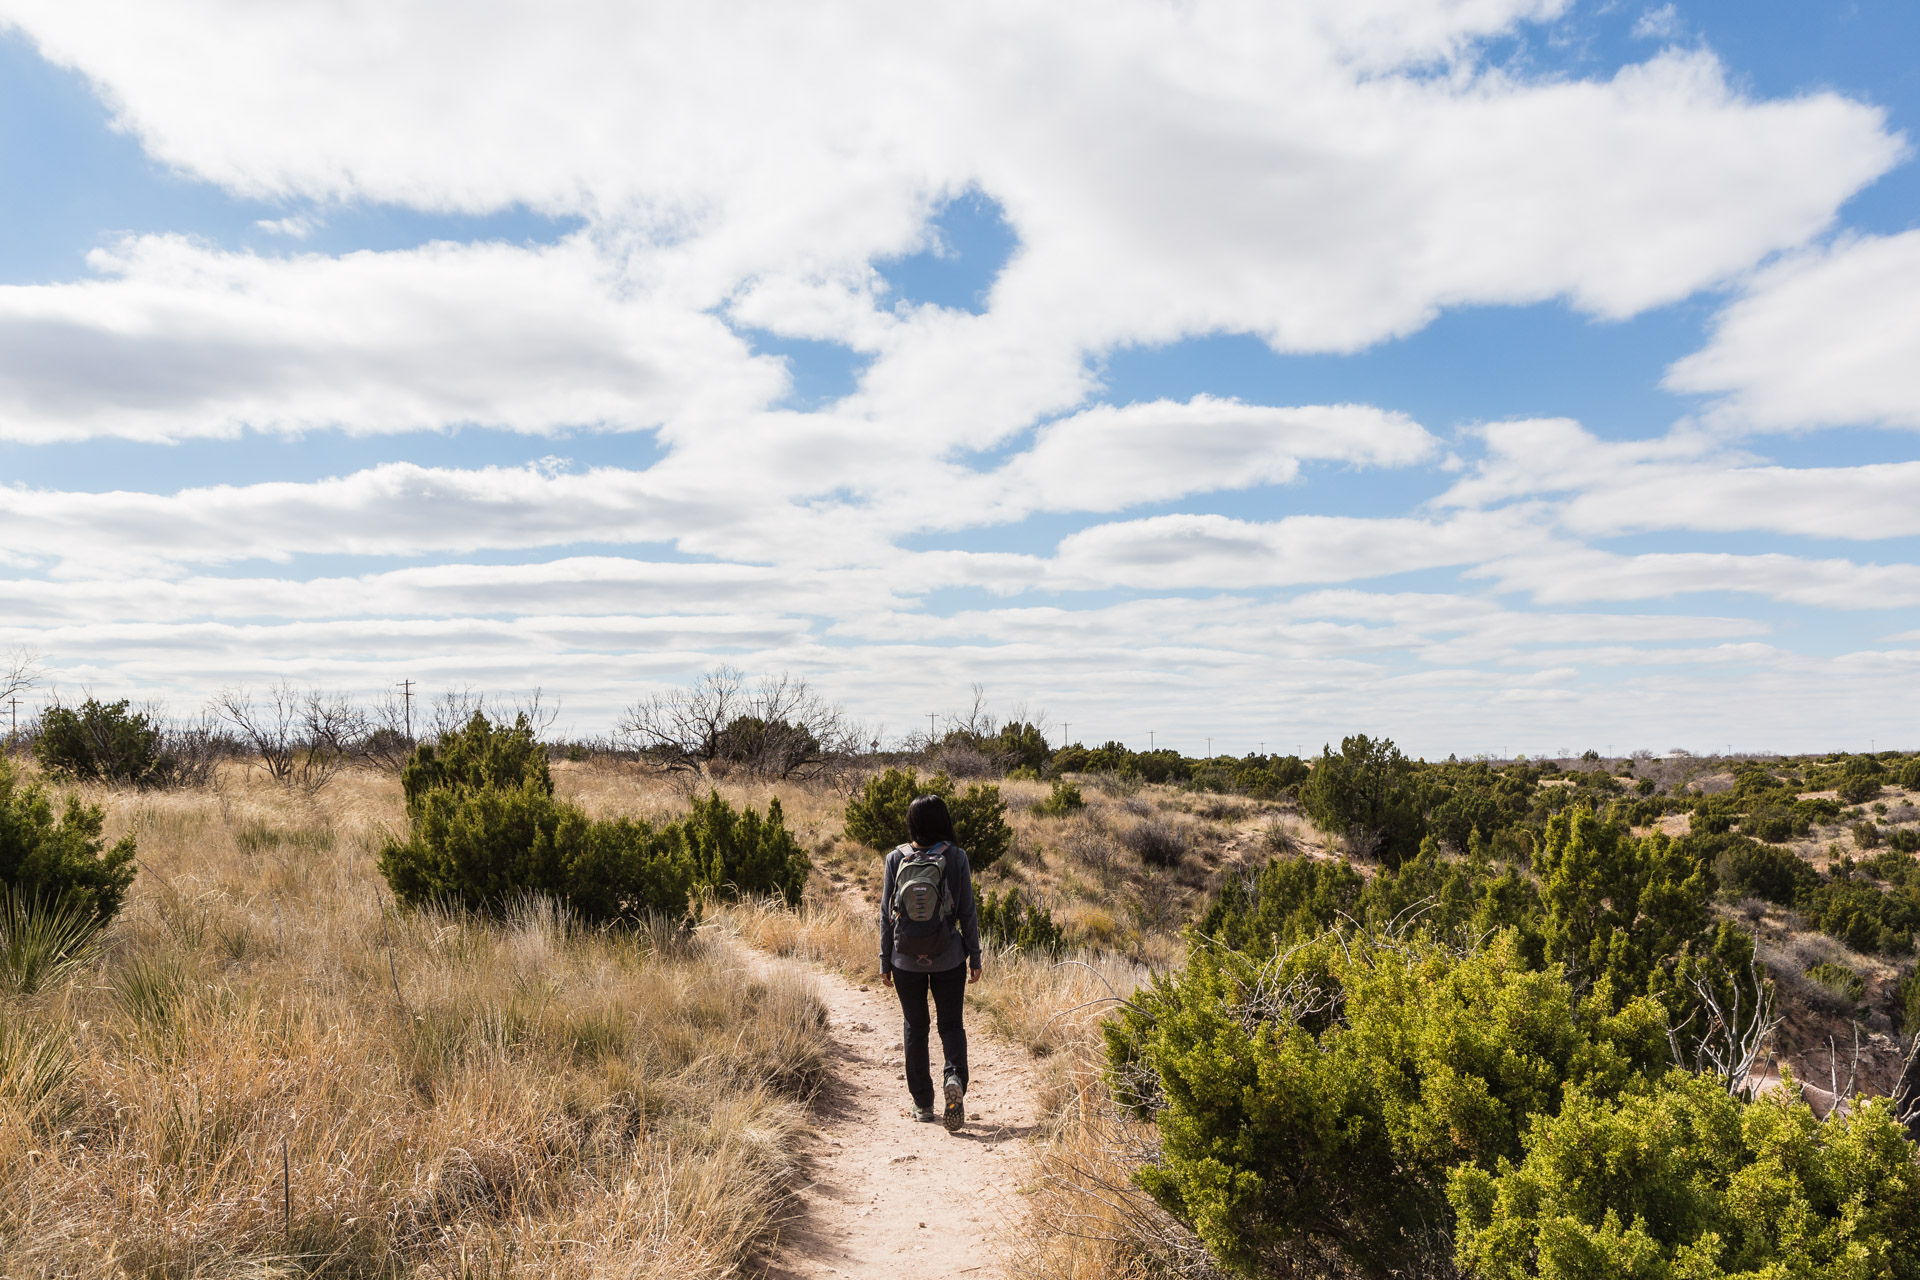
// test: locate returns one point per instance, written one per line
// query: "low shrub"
(1015, 922)
(62, 860)
(1156, 843)
(1672, 1182)
(1907, 1002)
(1858, 789)
(1312, 1106)
(480, 756)
(485, 830)
(488, 848)
(1773, 825)
(1840, 980)
(1862, 915)
(1064, 799)
(1866, 835)
(1778, 875)
(105, 742)
(1291, 900)
(877, 816)
(741, 854)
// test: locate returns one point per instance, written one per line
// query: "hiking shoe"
(924, 1114)
(956, 1105)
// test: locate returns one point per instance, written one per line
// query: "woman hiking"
(930, 944)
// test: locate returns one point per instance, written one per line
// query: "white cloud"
(582, 585)
(1829, 337)
(1565, 574)
(1324, 175)
(1216, 551)
(1684, 481)
(298, 226)
(829, 493)
(180, 340)
(1662, 23)
(1107, 459)
(1295, 171)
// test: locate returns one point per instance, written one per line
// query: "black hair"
(928, 822)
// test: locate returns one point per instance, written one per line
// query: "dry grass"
(527, 1098)
(271, 1073)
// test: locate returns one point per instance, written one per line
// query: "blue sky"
(1504, 376)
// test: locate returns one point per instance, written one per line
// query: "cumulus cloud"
(755, 508)
(1108, 458)
(1684, 481)
(1293, 171)
(1324, 175)
(1568, 574)
(1662, 23)
(177, 340)
(1830, 337)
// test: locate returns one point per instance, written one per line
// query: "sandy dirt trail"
(891, 1197)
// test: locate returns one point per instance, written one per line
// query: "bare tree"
(191, 751)
(20, 670)
(302, 737)
(455, 708)
(1739, 1023)
(388, 738)
(779, 728)
(452, 710)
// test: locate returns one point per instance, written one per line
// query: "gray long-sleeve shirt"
(966, 932)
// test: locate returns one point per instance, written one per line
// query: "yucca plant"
(43, 940)
(34, 1069)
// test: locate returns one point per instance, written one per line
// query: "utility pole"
(406, 701)
(1150, 740)
(1066, 732)
(930, 716)
(13, 712)
(1209, 748)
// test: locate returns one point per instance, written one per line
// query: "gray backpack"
(923, 909)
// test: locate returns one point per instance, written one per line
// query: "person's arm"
(965, 913)
(886, 919)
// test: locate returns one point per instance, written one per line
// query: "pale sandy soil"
(892, 1197)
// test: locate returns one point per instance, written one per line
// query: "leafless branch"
(1842, 1096)
(20, 670)
(1906, 1094)
(779, 728)
(300, 737)
(1736, 1030)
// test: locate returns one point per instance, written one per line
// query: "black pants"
(949, 990)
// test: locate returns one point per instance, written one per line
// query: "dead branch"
(779, 728)
(1736, 1030)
